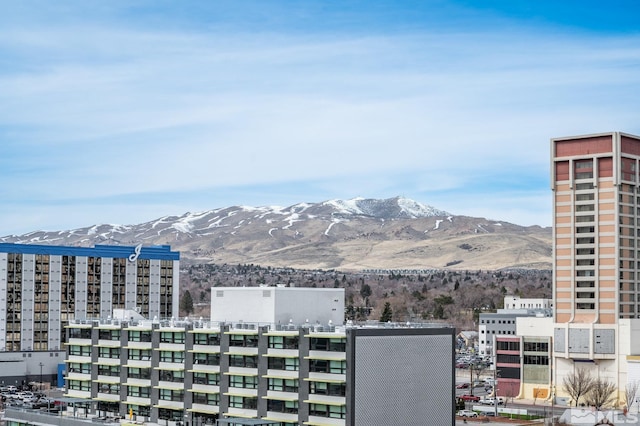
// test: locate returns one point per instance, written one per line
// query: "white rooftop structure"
(277, 305)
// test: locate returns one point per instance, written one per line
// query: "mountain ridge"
(351, 235)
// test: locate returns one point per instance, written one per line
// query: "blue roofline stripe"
(149, 252)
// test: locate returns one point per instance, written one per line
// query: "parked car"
(489, 400)
(462, 386)
(29, 399)
(467, 413)
(469, 397)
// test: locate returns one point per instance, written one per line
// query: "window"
(585, 229)
(106, 334)
(246, 382)
(139, 354)
(283, 385)
(171, 415)
(209, 339)
(330, 411)
(249, 361)
(206, 398)
(244, 340)
(138, 410)
(172, 337)
(138, 391)
(76, 367)
(80, 333)
(104, 352)
(327, 344)
(80, 350)
(290, 364)
(139, 373)
(585, 218)
(326, 366)
(283, 342)
(79, 385)
(139, 335)
(206, 359)
(584, 186)
(282, 406)
(536, 347)
(109, 370)
(584, 175)
(112, 388)
(584, 207)
(584, 164)
(206, 378)
(585, 197)
(331, 389)
(172, 356)
(507, 346)
(172, 395)
(585, 306)
(508, 359)
(247, 402)
(172, 376)
(588, 240)
(585, 251)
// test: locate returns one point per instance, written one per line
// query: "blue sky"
(125, 111)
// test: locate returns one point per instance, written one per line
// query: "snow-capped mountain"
(336, 234)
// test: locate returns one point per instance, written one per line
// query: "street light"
(41, 365)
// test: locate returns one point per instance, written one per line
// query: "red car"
(462, 386)
(467, 397)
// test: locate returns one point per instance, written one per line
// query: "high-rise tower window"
(585, 197)
(588, 240)
(587, 218)
(583, 186)
(584, 169)
(585, 251)
(585, 305)
(585, 229)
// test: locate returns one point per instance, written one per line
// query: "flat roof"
(140, 252)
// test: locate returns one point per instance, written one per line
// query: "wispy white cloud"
(94, 113)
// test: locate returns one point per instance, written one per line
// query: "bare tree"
(578, 384)
(630, 392)
(602, 394)
(509, 390)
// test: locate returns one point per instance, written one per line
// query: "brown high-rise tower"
(596, 259)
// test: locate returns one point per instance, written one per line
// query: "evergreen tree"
(186, 304)
(387, 313)
(365, 291)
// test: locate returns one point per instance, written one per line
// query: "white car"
(467, 413)
(491, 401)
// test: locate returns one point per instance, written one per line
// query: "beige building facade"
(596, 256)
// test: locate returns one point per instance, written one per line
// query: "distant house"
(469, 337)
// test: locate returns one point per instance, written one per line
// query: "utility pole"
(41, 365)
(471, 382)
(495, 378)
